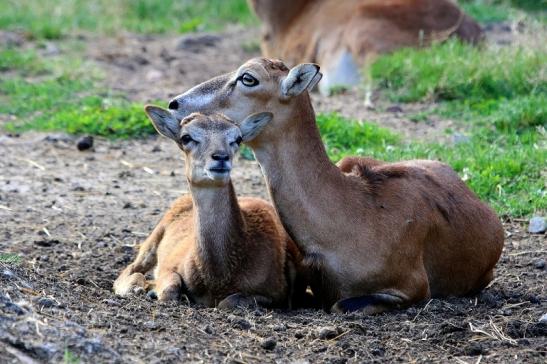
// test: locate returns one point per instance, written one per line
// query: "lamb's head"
(259, 85)
(209, 142)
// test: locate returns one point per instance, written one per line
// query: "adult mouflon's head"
(259, 85)
(209, 142)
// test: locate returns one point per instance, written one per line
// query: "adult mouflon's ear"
(163, 121)
(300, 78)
(253, 125)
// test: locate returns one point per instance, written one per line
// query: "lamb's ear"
(253, 125)
(163, 121)
(300, 78)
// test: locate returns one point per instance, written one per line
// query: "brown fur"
(389, 233)
(218, 250)
(315, 30)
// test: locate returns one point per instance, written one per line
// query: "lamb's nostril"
(173, 104)
(224, 157)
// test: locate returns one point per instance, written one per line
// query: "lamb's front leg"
(131, 279)
(239, 300)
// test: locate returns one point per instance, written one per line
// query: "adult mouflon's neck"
(218, 224)
(303, 183)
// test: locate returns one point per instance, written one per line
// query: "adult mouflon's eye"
(237, 141)
(248, 80)
(185, 139)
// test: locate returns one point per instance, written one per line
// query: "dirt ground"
(75, 219)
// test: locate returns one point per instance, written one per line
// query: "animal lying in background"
(344, 37)
(376, 235)
(215, 249)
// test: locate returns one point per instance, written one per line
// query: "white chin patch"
(342, 72)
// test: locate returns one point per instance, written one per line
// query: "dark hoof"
(236, 301)
(152, 295)
(369, 304)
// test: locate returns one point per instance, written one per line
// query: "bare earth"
(75, 218)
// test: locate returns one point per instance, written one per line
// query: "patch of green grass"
(66, 104)
(342, 137)
(10, 258)
(491, 11)
(457, 71)
(52, 19)
(485, 11)
(25, 62)
(70, 358)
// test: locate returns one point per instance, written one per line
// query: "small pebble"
(459, 138)
(85, 143)
(7, 274)
(152, 295)
(45, 302)
(109, 302)
(151, 325)
(537, 225)
(239, 323)
(268, 343)
(280, 327)
(539, 264)
(474, 349)
(394, 108)
(327, 333)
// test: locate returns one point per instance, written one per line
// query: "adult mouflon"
(377, 235)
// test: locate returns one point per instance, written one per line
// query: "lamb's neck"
(218, 224)
(302, 181)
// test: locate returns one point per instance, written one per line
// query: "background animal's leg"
(341, 72)
(238, 300)
(131, 279)
(169, 286)
(368, 81)
(369, 304)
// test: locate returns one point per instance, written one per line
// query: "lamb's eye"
(248, 80)
(185, 139)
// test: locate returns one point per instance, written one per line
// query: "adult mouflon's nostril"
(219, 156)
(173, 104)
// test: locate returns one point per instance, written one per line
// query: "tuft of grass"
(70, 358)
(27, 63)
(485, 11)
(457, 71)
(10, 258)
(64, 100)
(491, 11)
(342, 137)
(64, 104)
(53, 19)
